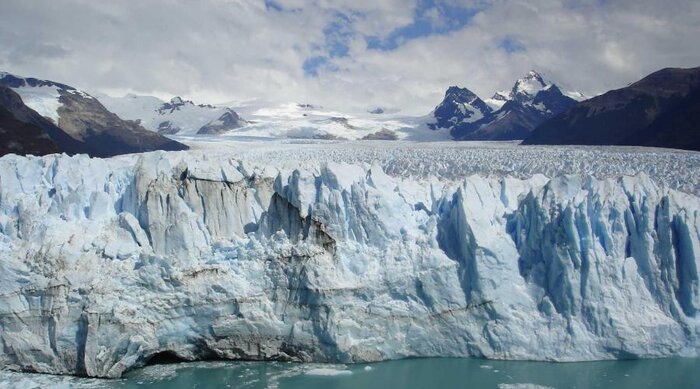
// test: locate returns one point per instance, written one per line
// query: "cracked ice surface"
(347, 252)
(676, 169)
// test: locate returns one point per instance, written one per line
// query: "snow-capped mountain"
(76, 121)
(460, 108)
(270, 119)
(311, 121)
(42, 96)
(229, 120)
(507, 115)
(177, 116)
(498, 99)
(22, 137)
(526, 88)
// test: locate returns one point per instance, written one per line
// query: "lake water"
(412, 373)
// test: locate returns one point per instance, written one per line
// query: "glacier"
(301, 252)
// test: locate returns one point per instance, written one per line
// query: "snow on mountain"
(78, 122)
(177, 116)
(264, 119)
(460, 108)
(526, 88)
(347, 253)
(309, 121)
(40, 95)
(578, 96)
(227, 121)
(498, 99)
(507, 115)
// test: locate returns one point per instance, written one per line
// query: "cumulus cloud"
(344, 54)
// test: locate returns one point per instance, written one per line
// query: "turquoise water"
(412, 373)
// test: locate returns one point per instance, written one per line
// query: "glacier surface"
(337, 253)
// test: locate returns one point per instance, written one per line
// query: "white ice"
(347, 252)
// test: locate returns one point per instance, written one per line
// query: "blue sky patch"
(338, 33)
(431, 17)
(337, 36)
(271, 5)
(313, 65)
(511, 45)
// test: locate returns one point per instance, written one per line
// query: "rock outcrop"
(229, 120)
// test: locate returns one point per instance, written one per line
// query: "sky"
(350, 55)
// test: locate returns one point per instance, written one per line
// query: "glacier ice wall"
(166, 253)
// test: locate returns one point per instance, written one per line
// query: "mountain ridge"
(660, 110)
(507, 115)
(78, 121)
(177, 116)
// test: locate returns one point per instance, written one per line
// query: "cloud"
(345, 54)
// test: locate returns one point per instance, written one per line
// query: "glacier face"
(227, 257)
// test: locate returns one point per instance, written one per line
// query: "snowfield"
(347, 252)
(305, 121)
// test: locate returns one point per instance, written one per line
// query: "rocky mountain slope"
(229, 120)
(27, 132)
(19, 137)
(281, 254)
(177, 116)
(661, 110)
(78, 122)
(507, 115)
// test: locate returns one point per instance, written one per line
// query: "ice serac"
(173, 254)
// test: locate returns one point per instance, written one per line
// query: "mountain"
(461, 110)
(76, 121)
(177, 116)
(24, 131)
(508, 115)
(660, 110)
(498, 99)
(229, 120)
(20, 137)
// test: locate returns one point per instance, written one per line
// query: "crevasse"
(166, 253)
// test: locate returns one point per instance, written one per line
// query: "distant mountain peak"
(533, 74)
(527, 87)
(175, 104)
(509, 114)
(177, 115)
(462, 95)
(460, 107)
(229, 120)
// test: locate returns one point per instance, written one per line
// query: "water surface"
(411, 373)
